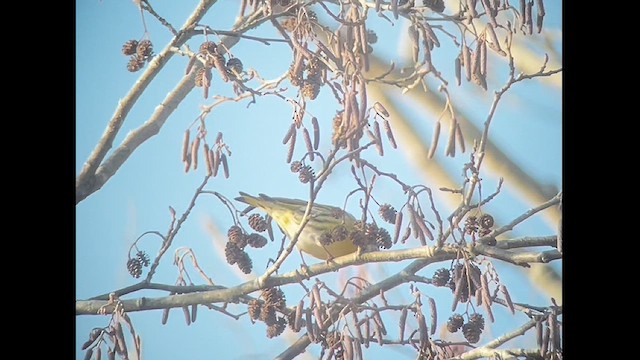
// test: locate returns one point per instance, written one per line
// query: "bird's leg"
(304, 267)
(330, 260)
(330, 257)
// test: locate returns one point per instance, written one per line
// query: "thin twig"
(174, 231)
(147, 6)
(484, 139)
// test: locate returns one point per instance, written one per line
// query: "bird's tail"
(262, 201)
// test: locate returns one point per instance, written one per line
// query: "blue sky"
(528, 126)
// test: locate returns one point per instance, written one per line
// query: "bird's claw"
(304, 271)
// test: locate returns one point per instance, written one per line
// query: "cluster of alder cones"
(140, 52)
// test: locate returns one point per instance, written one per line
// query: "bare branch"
(425, 255)
(88, 181)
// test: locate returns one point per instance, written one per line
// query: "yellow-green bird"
(325, 219)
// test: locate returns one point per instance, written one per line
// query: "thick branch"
(178, 289)
(527, 241)
(486, 353)
(425, 255)
(518, 258)
(134, 139)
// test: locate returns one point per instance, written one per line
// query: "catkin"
(398, 223)
(194, 312)
(187, 315)
(185, 145)
(434, 315)
(316, 133)
(458, 69)
(225, 165)
(460, 137)
(289, 133)
(215, 155)
(194, 152)
(307, 141)
(392, 140)
(376, 129)
(507, 298)
(292, 145)
(466, 61)
(403, 322)
(434, 140)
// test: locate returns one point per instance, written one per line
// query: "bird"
(325, 236)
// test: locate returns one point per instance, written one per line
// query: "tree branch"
(426, 255)
(95, 173)
(88, 180)
(489, 349)
(527, 241)
(178, 289)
